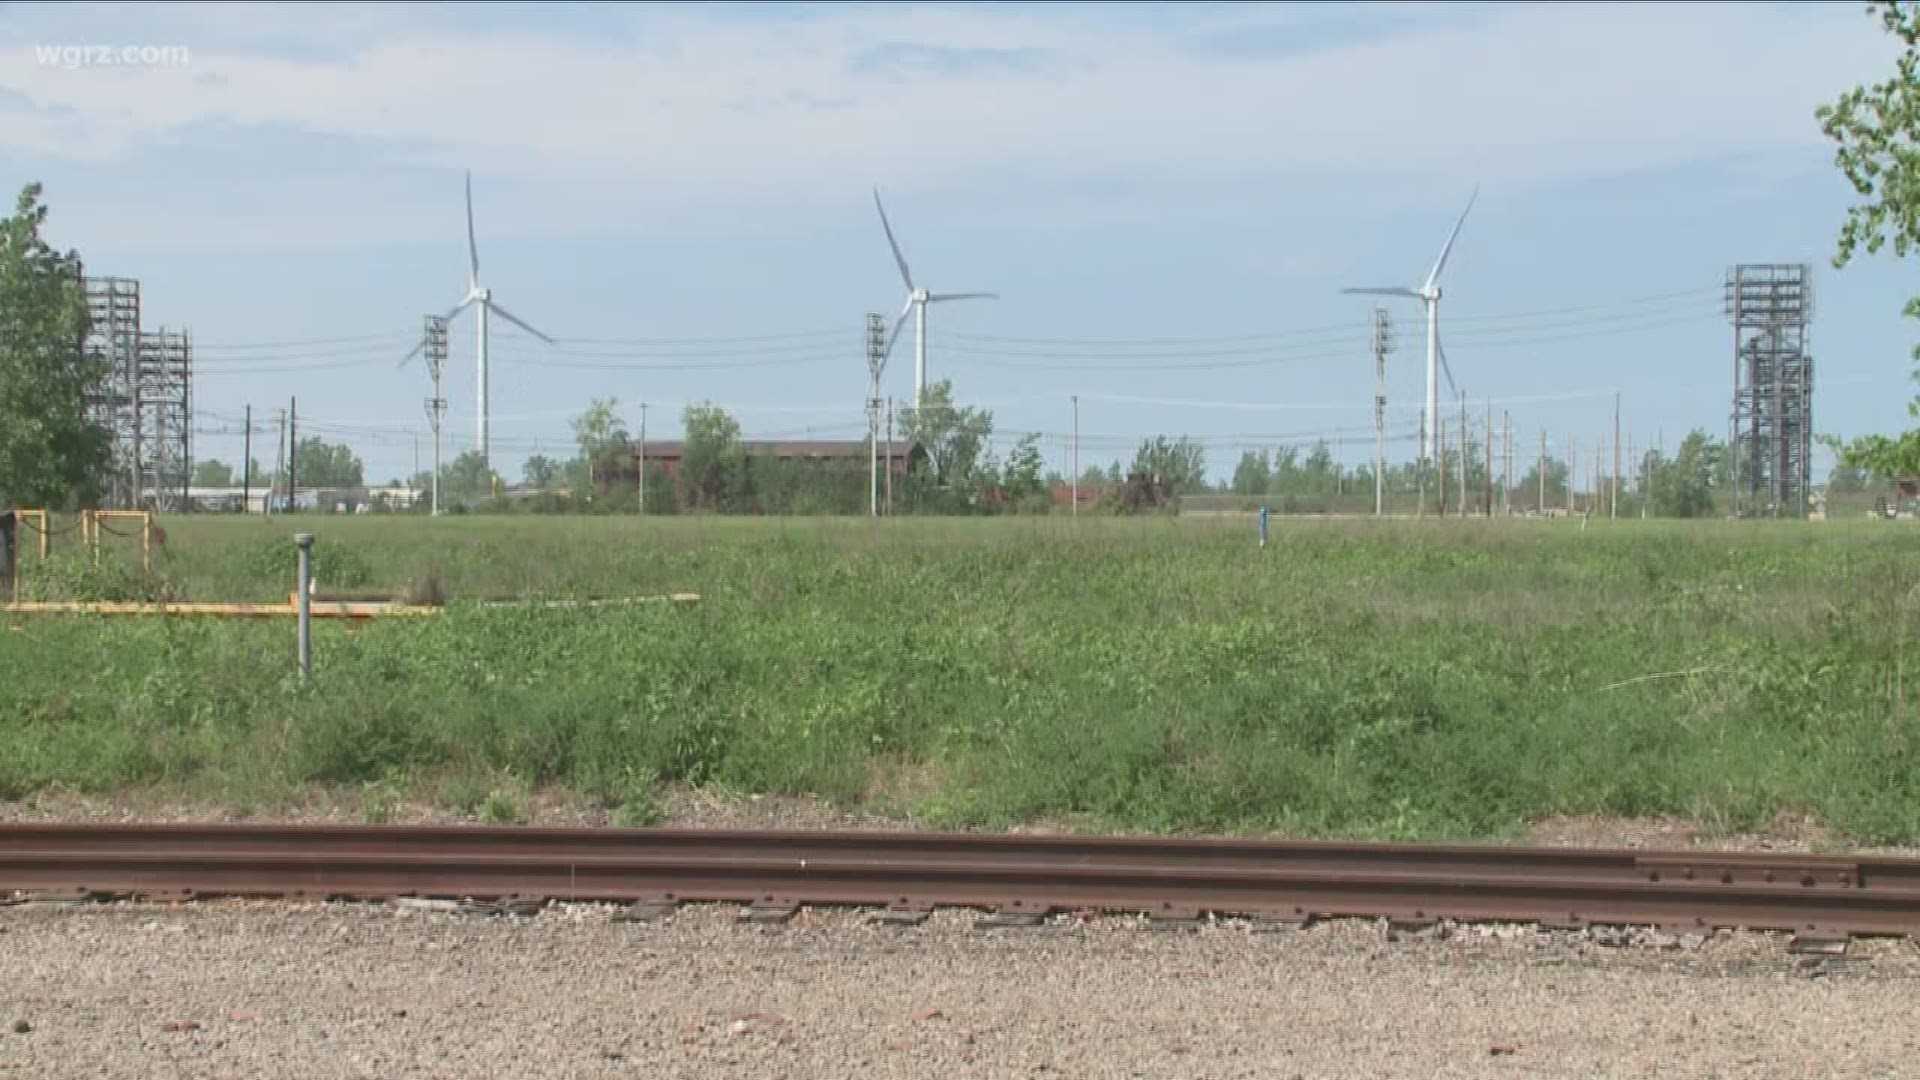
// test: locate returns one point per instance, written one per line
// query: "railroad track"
(1820, 898)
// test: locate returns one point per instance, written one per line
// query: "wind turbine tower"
(917, 301)
(1428, 293)
(477, 294)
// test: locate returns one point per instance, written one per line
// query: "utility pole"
(246, 466)
(1646, 484)
(1542, 477)
(1076, 457)
(1382, 345)
(1440, 450)
(279, 459)
(436, 355)
(1573, 469)
(1466, 444)
(293, 449)
(1488, 455)
(1506, 467)
(642, 468)
(1615, 511)
(876, 361)
(1421, 468)
(889, 456)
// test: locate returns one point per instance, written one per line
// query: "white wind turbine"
(488, 308)
(917, 301)
(1428, 294)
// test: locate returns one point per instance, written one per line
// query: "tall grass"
(1399, 680)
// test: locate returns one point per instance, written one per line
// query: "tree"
(1846, 479)
(212, 473)
(1178, 467)
(541, 471)
(713, 459)
(467, 478)
(319, 463)
(1684, 485)
(1021, 477)
(1877, 129)
(954, 439)
(1253, 474)
(51, 453)
(600, 432)
(1527, 491)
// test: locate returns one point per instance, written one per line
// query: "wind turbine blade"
(905, 274)
(1441, 263)
(413, 352)
(898, 325)
(473, 246)
(458, 308)
(937, 297)
(510, 317)
(1441, 348)
(1388, 291)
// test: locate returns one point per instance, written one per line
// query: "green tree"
(1877, 130)
(51, 454)
(1178, 466)
(1253, 474)
(319, 463)
(713, 458)
(212, 473)
(954, 439)
(1021, 477)
(541, 471)
(468, 479)
(1846, 480)
(1685, 484)
(1527, 491)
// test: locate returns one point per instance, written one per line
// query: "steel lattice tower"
(113, 337)
(165, 411)
(1771, 430)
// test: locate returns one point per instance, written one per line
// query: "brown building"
(666, 455)
(1090, 494)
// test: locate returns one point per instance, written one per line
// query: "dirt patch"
(696, 808)
(682, 808)
(1787, 832)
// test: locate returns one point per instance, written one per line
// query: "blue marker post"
(1263, 526)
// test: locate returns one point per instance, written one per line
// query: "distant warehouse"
(783, 476)
(898, 459)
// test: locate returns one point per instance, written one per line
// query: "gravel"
(246, 989)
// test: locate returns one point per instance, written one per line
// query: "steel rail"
(1813, 895)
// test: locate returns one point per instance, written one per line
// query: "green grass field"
(1411, 680)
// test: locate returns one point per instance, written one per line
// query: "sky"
(1167, 200)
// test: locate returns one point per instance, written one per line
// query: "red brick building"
(666, 455)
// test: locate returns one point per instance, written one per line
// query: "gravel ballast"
(231, 989)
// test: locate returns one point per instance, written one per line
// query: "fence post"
(10, 549)
(304, 602)
(1263, 526)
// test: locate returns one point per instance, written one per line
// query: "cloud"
(900, 60)
(681, 104)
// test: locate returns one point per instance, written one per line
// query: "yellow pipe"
(339, 610)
